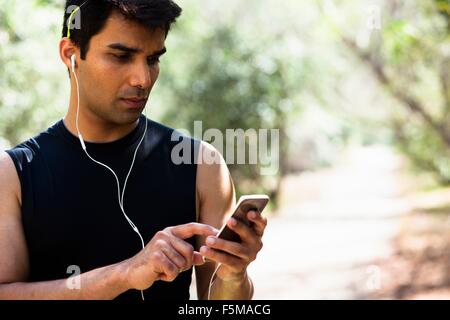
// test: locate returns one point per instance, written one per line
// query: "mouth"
(134, 103)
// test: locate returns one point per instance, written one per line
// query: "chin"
(128, 117)
(123, 117)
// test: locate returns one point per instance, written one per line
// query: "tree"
(31, 84)
(233, 86)
(410, 58)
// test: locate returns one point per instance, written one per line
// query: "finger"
(183, 248)
(158, 256)
(185, 231)
(167, 270)
(259, 222)
(230, 247)
(230, 261)
(175, 257)
(198, 259)
(245, 232)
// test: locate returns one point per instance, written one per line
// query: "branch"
(410, 102)
(444, 76)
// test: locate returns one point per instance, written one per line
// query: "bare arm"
(215, 201)
(101, 283)
(162, 259)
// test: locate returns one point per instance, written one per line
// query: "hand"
(166, 255)
(235, 257)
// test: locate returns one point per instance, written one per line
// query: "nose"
(141, 76)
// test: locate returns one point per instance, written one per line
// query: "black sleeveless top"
(70, 209)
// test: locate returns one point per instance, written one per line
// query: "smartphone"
(246, 203)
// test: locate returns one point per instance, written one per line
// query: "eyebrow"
(124, 48)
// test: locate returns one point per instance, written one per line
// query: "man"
(59, 210)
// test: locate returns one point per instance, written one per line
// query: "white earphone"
(83, 146)
(72, 60)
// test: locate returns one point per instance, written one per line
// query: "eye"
(121, 57)
(153, 61)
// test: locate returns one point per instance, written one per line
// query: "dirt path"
(330, 222)
(333, 236)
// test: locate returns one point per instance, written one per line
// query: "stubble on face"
(107, 79)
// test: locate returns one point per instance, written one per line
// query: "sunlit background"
(360, 91)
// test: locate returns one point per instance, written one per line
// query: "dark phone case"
(241, 215)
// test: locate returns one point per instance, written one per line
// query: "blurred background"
(360, 91)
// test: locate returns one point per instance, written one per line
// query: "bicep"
(216, 200)
(13, 250)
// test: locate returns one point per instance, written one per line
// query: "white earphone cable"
(120, 194)
(211, 281)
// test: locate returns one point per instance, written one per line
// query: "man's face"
(122, 63)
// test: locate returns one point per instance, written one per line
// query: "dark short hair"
(153, 14)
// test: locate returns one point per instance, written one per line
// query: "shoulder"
(17, 163)
(212, 167)
(182, 147)
(24, 154)
(157, 126)
(9, 180)
(215, 188)
(168, 134)
(26, 151)
(7, 168)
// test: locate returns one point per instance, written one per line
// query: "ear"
(66, 50)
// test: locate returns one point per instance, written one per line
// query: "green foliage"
(245, 65)
(233, 86)
(424, 148)
(29, 75)
(416, 53)
(409, 57)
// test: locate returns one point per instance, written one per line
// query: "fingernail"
(233, 222)
(210, 240)
(203, 249)
(252, 214)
